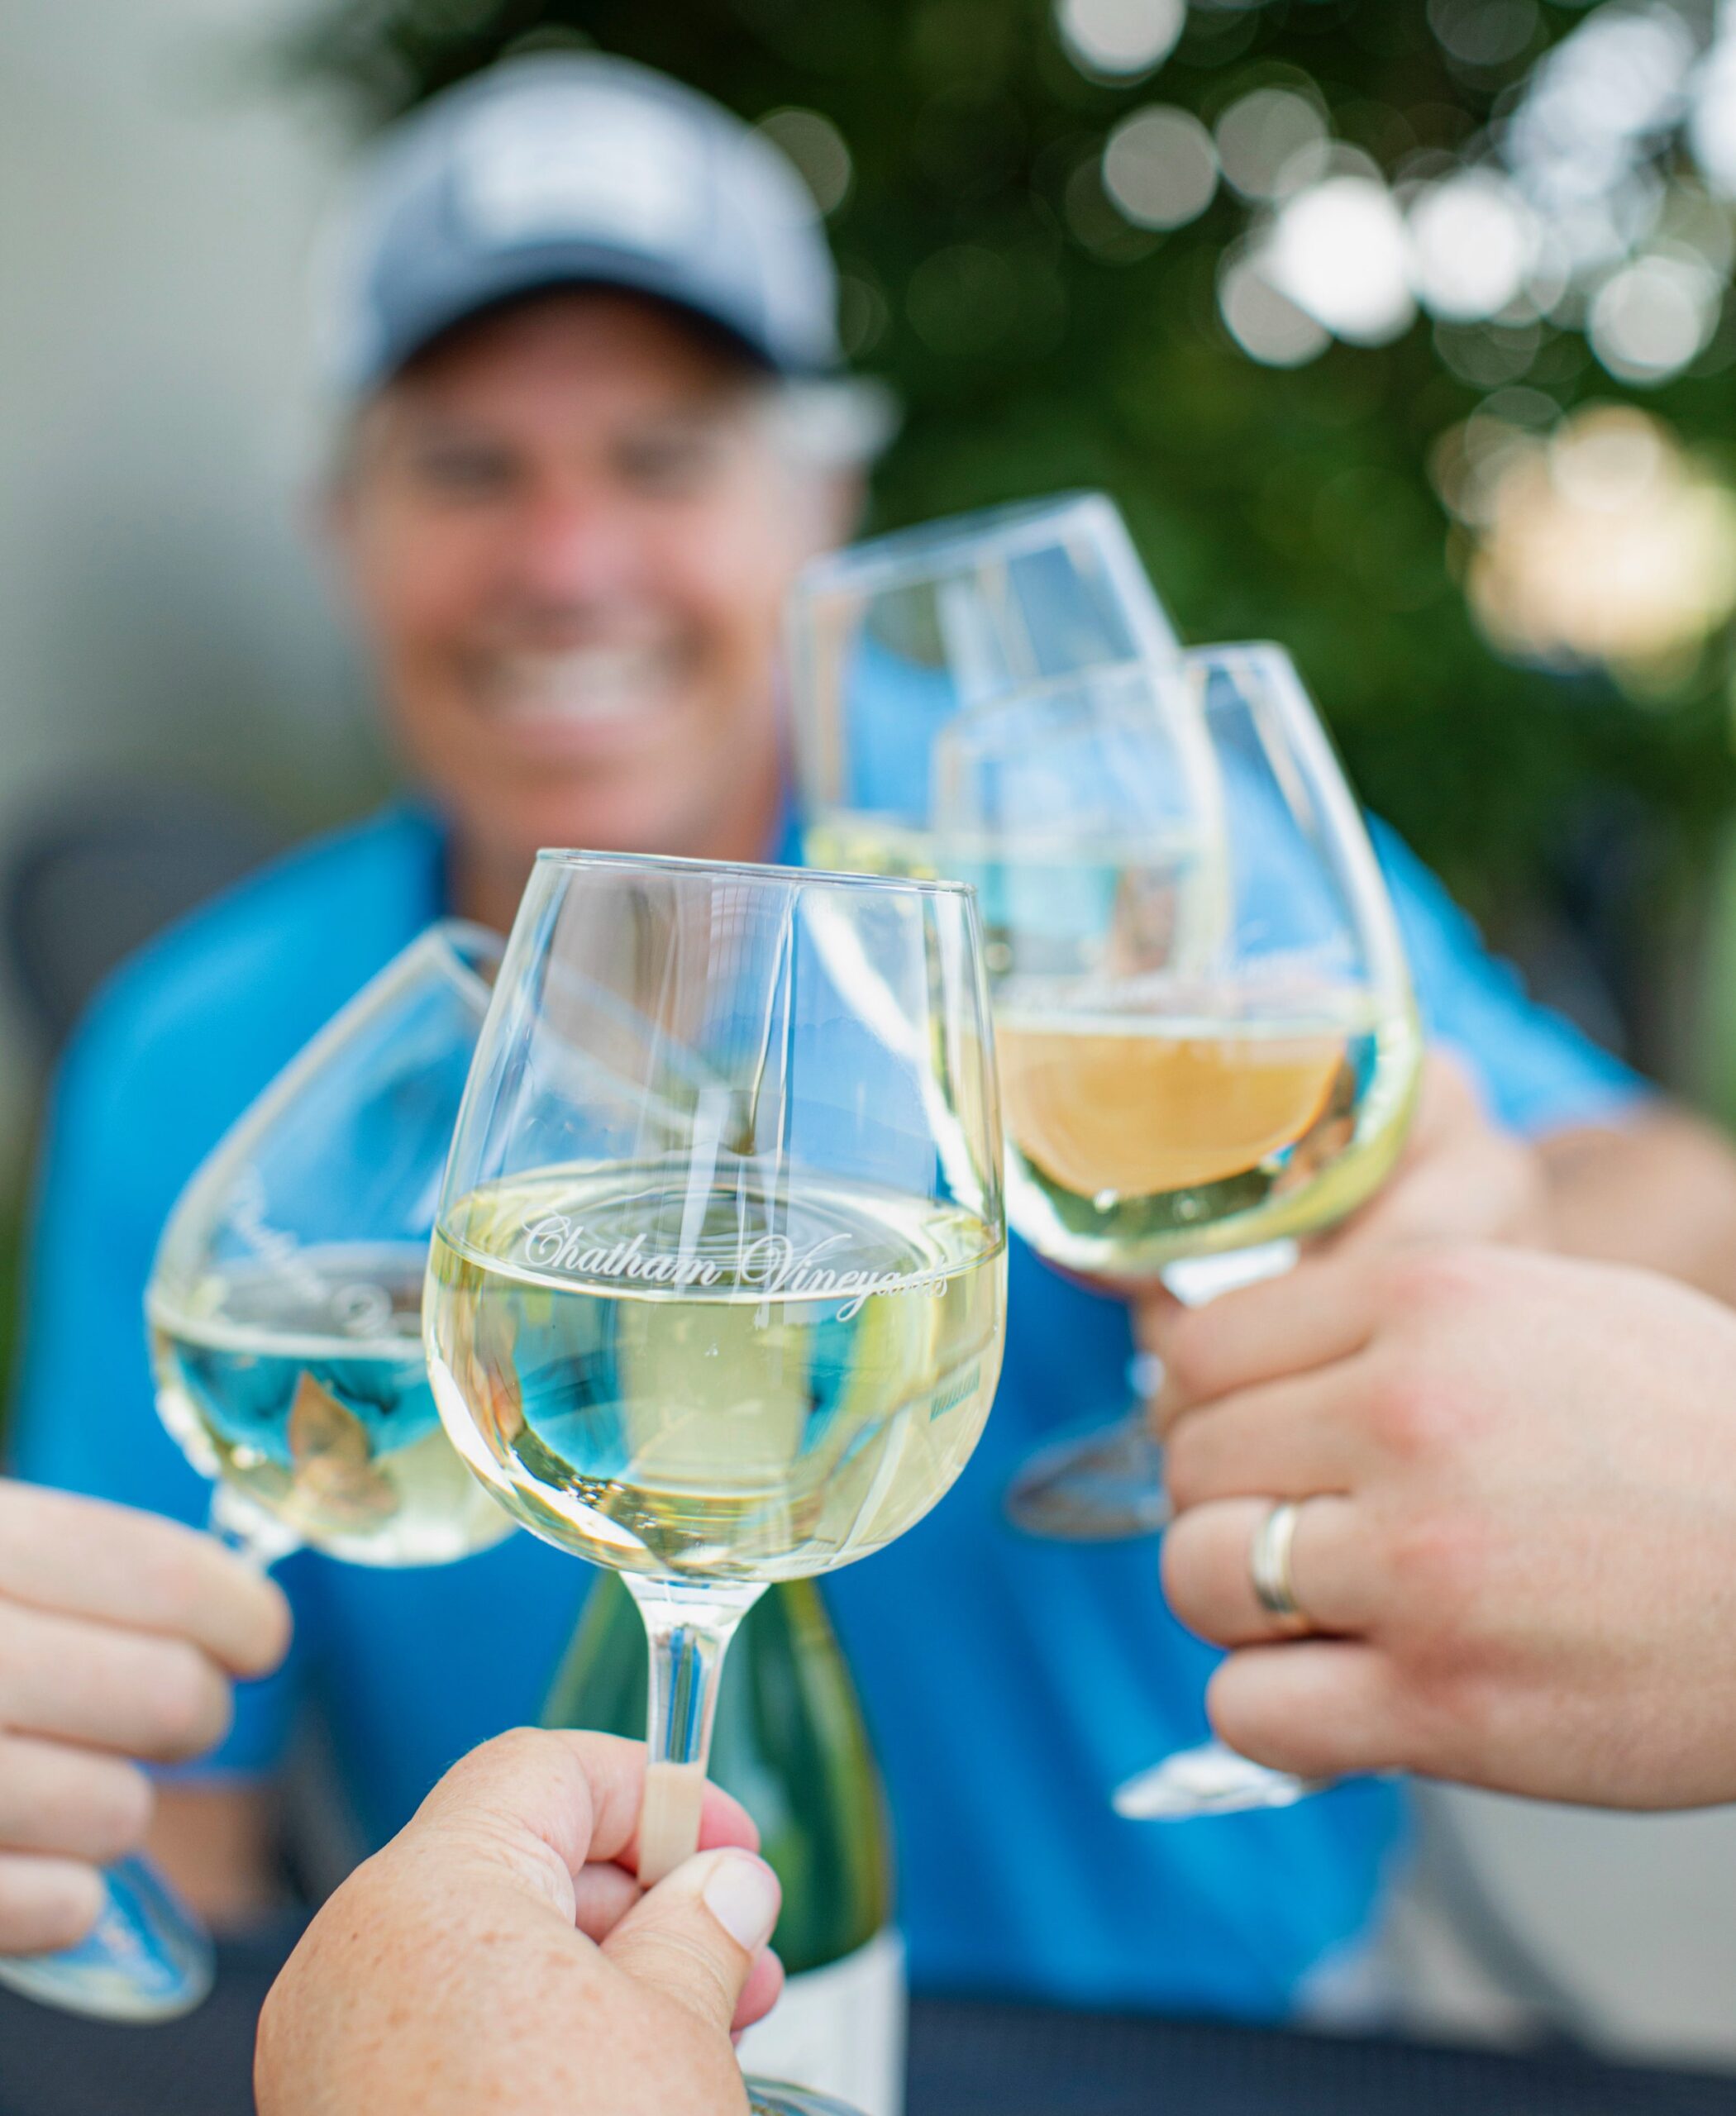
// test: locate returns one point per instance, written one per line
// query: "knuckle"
(1437, 1561)
(1413, 1413)
(488, 1789)
(1428, 1277)
(521, 1746)
(689, 1966)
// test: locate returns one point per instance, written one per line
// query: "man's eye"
(463, 473)
(673, 462)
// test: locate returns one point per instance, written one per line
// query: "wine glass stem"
(248, 1530)
(689, 1625)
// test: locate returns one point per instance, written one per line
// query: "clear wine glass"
(716, 1292)
(1208, 1044)
(888, 640)
(284, 1312)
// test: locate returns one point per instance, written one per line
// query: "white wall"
(157, 606)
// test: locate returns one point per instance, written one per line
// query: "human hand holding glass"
(284, 1312)
(717, 1294)
(1208, 1046)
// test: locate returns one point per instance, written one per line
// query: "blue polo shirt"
(1010, 1684)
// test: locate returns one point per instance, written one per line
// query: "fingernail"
(741, 1893)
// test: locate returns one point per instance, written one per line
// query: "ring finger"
(1209, 1582)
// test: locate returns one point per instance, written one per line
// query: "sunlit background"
(1401, 331)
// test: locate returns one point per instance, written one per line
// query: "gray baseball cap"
(563, 170)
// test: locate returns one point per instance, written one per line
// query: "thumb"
(696, 1935)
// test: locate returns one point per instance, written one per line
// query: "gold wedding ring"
(1269, 1566)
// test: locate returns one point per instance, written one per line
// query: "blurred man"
(581, 311)
(1503, 1492)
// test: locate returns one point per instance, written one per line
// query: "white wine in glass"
(1208, 1044)
(740, 1413)
(717, 1294)
(302, 1387)
(1213, 1122)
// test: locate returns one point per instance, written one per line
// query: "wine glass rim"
(756, 872)
(1239, 649)
(877, 559)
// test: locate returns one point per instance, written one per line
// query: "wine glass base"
(772, 2097)
(144, 1960)
(1102, 1486)
(1211, 1779)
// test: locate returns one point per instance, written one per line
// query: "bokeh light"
(1650, 319)
(1472, 240)
(1337, 249)
(1712, 126)
(1268, 326)
(1160, 167)
(1271, 139)
(1483, 33)
(1600, 543)
(1116, 38)
(815, 145)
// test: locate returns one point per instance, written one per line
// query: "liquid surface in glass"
(858, 842)
(1180, 1122)
(745, 1382)
(302, 1383)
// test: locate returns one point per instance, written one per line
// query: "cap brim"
(499, 282)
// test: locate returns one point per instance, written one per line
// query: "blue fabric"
(1010, 1685)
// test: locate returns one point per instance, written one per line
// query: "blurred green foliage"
(1036, 341)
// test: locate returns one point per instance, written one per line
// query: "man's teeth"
(591, 683)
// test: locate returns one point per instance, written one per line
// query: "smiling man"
(569, 526)
(582, 325)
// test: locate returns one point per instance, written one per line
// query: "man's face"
(568, 535)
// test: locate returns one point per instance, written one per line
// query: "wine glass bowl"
(285, 1303)
(743, 1327)
(1204, 1044)
(888, 640)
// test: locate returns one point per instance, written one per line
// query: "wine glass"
(718, 1287)
(284, 1312)
(1208, 1044)
(887, 639)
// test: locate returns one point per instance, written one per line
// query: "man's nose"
(573, 545)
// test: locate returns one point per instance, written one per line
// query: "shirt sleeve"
(84, 1413)
(1539, 1073)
